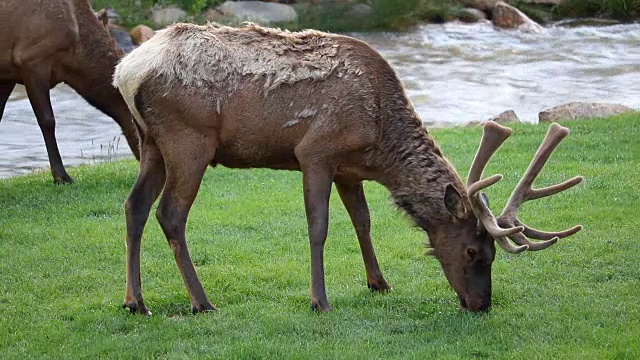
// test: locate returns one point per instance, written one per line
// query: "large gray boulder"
(360, 11)
(506, 16)
(472, 15)
(505, 117)
(260, 12)
(167, 15)
(582, 110)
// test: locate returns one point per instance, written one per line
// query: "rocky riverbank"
(498, 13)
(131, 23)
(568, 111)
(362, 15)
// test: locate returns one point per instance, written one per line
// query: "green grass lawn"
(62, 266)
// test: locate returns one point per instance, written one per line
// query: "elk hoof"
(380, 286)
(203, 308)
(62, 179)
(137, 308)
(317, 307)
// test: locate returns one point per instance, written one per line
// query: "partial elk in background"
(329, 106)
(44, 43)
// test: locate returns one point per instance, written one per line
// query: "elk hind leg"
(352, 196)
(317, 181)
(145, 191)
(186, 162)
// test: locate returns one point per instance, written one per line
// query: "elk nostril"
(463, 303)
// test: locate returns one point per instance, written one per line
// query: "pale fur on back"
(221, 56)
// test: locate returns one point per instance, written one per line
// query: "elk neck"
(89, 70)
(417, 173)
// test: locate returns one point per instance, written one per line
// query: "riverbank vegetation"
(609, 9)
(385, 14)
(63, 266)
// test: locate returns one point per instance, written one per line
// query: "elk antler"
(508, 225)
(524, 192)
(492, 137)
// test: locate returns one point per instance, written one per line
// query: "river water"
(453, 73)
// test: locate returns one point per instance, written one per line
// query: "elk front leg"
(36, 81)
(353, 198)
(185, 168)
(5, 91)
(317, 188)
(137, 207)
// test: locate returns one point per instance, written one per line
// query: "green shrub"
(386, 15)
(134, 12)
(617, 9)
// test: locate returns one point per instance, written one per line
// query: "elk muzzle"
(477, 295)
(475, 303)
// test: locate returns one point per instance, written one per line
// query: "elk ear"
(103, 17)
(453, 202)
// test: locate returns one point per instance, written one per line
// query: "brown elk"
(329, 106)
(44, 43)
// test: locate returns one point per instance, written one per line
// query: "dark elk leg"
(131, 135)
(5, 90)
(353, 198)
(137, 207)
(317, 188)
(185, 162)
(36, 81)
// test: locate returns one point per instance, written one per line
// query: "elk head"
(466, 247)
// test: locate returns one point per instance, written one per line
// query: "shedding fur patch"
(204, 55)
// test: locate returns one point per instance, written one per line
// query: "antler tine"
(509, 247)
(552, 190)
(544, 235)
(521, 239)
(524, 192)
(493, 136)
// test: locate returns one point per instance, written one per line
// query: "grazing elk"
(329, 106)
(44, 43)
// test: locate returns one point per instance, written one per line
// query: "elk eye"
(471, 252)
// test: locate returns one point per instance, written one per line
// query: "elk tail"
(136, 67)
